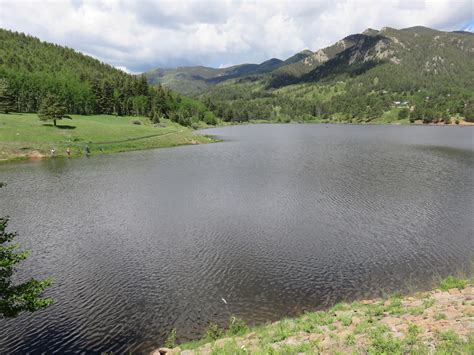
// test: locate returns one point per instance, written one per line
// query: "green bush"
(403, 113)
(210, 118)
(171, 340)
(214, 332)
(452, 282)
(237, 326)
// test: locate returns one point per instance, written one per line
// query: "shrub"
(214, 332)
(350, 340)
(156, 117)
(345, 320)
(452, 282)
(137, 122)
(171, 340)
(210, 118)
(403, 113)
(440, 316)
(237, 326)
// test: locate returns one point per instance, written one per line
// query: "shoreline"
(184, 136)
(37, 156)
(462, 123)
(426, 322)
(26, 139)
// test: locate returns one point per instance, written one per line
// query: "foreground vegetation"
(24, 136)
(16, 298)
(439, 321)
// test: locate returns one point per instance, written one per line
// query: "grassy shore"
(24, 136)
(440, 321)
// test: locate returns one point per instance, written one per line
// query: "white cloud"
(140, 35)
(126, 70)
(225, 65)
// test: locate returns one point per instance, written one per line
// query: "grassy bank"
(24, 136)
(440, 321)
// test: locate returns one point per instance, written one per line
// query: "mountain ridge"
(386, 43)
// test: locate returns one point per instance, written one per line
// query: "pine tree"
(52, 108)
(17, 298)
(106, 98)
(6, 99)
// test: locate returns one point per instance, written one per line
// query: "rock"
(315, 337)
(454, 291)
(441, 296)
(220, 343)
(391, 323)
(292, 341)
(162, 351)
(468, 291)
(469, 325)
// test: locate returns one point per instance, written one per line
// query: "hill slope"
(193, 80)
(425, 73)
(31, 69)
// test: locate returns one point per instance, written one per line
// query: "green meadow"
(24, 136)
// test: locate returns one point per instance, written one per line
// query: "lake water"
(277, 219)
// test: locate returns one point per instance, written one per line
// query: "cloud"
(126, 70)
(140, 35)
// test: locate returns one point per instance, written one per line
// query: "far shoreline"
(183, 135)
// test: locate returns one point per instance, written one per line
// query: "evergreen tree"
(52, 108)
(6, 99)
(403, 113)
(17, 298)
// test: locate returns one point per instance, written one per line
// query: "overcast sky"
(139, 35)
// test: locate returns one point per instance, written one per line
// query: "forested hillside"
(31, 70)
(415, 73)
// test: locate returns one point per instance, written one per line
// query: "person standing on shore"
(68, 152)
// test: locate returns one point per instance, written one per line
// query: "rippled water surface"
(276, 219)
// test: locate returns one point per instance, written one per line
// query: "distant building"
(400, 104)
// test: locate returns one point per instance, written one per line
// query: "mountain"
(415, 51)
(192, 80)
(361, 77)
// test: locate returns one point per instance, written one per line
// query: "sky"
(143, 34)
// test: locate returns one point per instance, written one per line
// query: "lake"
(276, 219)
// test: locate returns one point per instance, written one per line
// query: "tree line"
(33, 72)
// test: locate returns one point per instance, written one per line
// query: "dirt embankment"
(431, 322)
